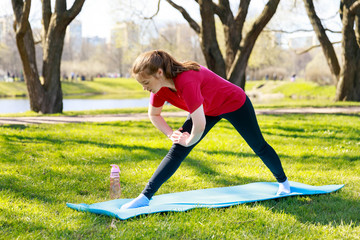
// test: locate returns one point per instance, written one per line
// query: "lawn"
(110, 88)
(124, 88)
(44, 166)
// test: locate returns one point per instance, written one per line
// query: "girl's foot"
(140, 201)
(284, 188)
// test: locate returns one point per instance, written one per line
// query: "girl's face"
(151, 83)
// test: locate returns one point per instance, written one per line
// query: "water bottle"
(115, 190)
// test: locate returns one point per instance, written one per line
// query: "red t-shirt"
(194, 88)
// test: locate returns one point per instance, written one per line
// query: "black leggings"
(244, 121)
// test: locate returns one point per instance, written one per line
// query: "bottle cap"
(115, 170)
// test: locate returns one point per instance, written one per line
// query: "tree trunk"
(237, 72)
(233, 27)
(44, 97)
(26, 47)
(348, 88)
(209, 44)
(325, 43)
(51, 67)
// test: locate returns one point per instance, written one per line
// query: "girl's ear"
(160, 72)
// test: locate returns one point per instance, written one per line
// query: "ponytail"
(149, 62)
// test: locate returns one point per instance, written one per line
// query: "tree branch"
(157, 11)
(354, 7)
(298, 30)
(60, 6)
(223, 10)
(24, 19)
(357, 30)
(263, 19)
(75, 9)
(186, 15)
(237, 71)
(46, 14)
(218, 11)
(312, 47)
(325, 43)
(242, 12)
(331, 17)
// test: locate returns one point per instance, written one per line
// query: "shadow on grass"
(16, 226)
(14, 145)
(25, 190)
(296, 131)
(14, 126)
(322, 209)
(217, 177)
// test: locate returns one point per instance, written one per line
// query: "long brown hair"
(149, 62)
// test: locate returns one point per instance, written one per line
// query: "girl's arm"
(158, 121)
(199, 122)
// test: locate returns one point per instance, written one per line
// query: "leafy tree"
(346, 75)
(45, 96)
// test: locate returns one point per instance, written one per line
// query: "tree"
(347, 76)
(45, 96)
(238, 46)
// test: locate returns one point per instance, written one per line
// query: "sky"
(99, 16)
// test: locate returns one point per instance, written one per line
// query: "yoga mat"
(204, 198)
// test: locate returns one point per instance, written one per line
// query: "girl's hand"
(180, 138)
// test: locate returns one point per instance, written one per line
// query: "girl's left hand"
(180, 138)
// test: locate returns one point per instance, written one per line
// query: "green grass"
(13, 89)
(296, 94)
(117, 88)
(121, 88)
(44, 166)
(299, 89)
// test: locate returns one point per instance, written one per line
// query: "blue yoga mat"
(204, 198)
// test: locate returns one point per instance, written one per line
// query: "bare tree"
(45, 96)
(238, 46)
(347, 76)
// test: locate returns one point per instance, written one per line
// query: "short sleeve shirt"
(193, 88)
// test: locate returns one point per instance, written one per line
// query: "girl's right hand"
(180, 137)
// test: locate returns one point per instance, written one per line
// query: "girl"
(208, 98)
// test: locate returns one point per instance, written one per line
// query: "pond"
(23, 105)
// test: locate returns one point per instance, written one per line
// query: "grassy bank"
(297, 90)
(44, 166)
(294, 94)
(120, 88)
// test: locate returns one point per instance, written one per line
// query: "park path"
(139, 116)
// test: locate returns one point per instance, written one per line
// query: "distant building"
(95, 41)
(6, 28)
(125, 35)
(302, 40)
(73, 36)
(278, 39)
(178, 34)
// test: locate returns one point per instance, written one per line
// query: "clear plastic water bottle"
(115, 190)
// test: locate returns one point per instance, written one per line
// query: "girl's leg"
(174, 158)
(245, 122)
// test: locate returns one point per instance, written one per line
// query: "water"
(23, 105)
